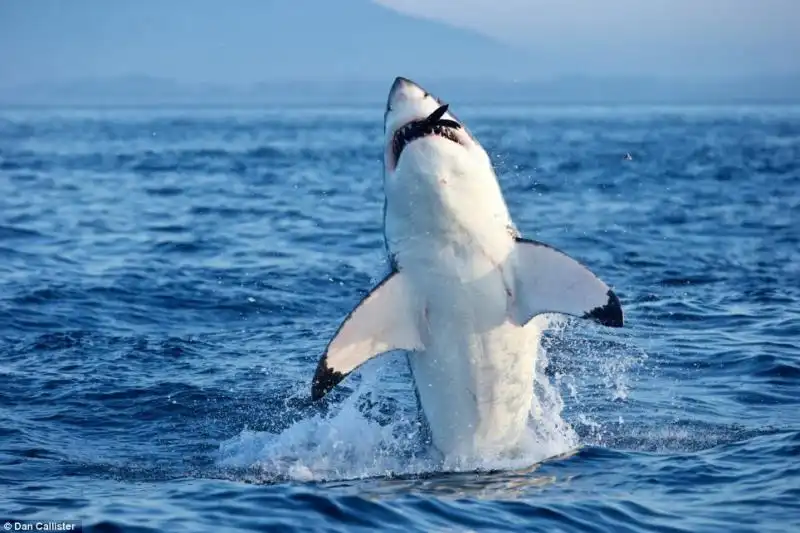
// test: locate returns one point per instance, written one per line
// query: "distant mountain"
(148, 91)
(254, 52)
(241, 41)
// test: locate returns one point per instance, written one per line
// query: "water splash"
(356, 440)
(350, 442)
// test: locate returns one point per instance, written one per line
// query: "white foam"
(349, 443)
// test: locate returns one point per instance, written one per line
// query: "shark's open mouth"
(417, 129)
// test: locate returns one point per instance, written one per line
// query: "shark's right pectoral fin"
(382, 322)
(549, 281)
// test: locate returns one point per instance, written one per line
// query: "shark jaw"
(434, 124)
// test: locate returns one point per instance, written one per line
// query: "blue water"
(169, 278)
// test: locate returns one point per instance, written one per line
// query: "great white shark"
(463, 288)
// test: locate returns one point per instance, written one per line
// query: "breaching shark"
(464, 284)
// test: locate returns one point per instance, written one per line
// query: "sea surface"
(170, 277)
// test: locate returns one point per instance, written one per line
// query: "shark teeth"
(432, 125)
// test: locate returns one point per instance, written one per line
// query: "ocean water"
(169, 278)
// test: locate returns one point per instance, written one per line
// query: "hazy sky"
(666, 37)
(244, 41)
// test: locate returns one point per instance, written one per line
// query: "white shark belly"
(476, 389)
(475, 375)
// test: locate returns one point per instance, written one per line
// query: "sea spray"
(353, 440)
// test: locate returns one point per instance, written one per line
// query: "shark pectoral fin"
(549, 281)
(382, 322)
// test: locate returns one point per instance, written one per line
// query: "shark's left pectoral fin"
(549, 281)
(382, 322)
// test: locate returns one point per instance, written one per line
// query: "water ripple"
(168, 279)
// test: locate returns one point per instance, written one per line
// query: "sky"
(247, 41)
(637, 37)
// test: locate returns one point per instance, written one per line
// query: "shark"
(464, 286)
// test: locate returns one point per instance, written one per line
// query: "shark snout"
(400, 82)
(404, 90)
